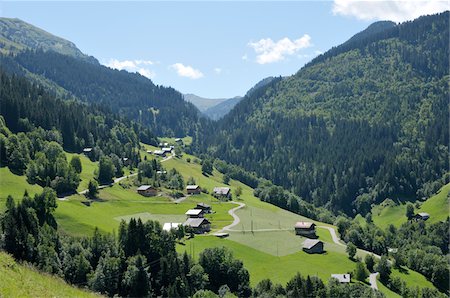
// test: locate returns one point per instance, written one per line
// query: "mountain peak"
(17, 35)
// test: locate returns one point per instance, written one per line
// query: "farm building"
(159, 153)
(306, 229)
(87, 150)
(312, 246)
(422, 216)
(195, 213)
(199, 225)
(342, 278)
(171, 225)
(178, 140)
(205, 207)
(223, 192)
(193, 189)
(147, 190)
(166, 149)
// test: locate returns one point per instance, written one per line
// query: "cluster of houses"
(165, 149)
(195, 220)
(308, 229)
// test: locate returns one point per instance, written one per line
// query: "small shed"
(199, 225)
(222, 192)
(306, 229)
(205, 207)
(195, 213)
(313, 246)
(422, 216)
(342, 278)
(193, 189)
(171, 225)
(147, 190)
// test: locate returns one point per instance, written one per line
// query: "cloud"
(133, 66)
(397, 11)
(187, 71)
(269, 51)
(244, 57)
(218, 70)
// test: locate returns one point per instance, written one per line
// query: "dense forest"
(160, 108)
(357, 125)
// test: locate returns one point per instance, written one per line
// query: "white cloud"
(133, 66)
(269, 51)
(245, 57)
(187, 71)
(397, 11)
(218, 70)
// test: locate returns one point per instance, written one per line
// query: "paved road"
(333, 235)
(236, 218)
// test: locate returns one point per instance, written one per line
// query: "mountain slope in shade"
(218, 111)
(16, 35)
(203, 103)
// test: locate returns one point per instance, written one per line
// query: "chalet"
(198, 225)
(313, 246)
(222, 192)
(178, 140)
(161, 172)
(342, 278)
(195, 213)
(147, 191)
(159, 153)
(306, 229)
(166, 149)
(193, 189)
(205, 207)
(88, 151)
(171, 225)
(422, 216)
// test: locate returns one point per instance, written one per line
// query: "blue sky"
(212, 49)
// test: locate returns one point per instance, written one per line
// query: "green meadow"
(390, 212)
(88, 168)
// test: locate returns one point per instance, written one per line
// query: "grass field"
(14, 185)
(390, 213)
(87, 169)
(23, 281)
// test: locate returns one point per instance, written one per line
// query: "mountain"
(218, 111)
(69, 75)
(365, 121)
(16, 35)
(203, 103)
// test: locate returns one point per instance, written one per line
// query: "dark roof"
(203, 205)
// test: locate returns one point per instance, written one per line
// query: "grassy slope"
(437, 206)
(22, 281)
(12, 184)
(87, 169)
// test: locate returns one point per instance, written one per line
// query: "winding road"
(235, 217)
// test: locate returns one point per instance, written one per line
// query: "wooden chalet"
(193, 189)
(313, 246)
(198, 225)
(147, 190)
(305, 229)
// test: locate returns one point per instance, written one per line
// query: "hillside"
(16, 35)
(25, 281)
(59, 66)
(203, 103)
(357, 125)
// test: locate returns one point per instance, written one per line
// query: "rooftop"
(196, 222)
(170, 225)
(144, 187)
(310, 243)
(304, 224)
(344, 278)
(221, 190)
(192, 187)
(194, 212)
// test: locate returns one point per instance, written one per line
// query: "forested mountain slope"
(58, 65)
(363, 122)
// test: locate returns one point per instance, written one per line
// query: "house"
(161, 172)
(205, 207)
(222, 192)
(198, 225)
(195, 213)
(193, 189)
(422, 216)
(166, 149)
(342, 278)
(126, 161)
(88, 151)
(178, 140)
(149, 151)
(159, 153)
(313, 246)
(306, 229)
(147, 190)
(171, 225)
